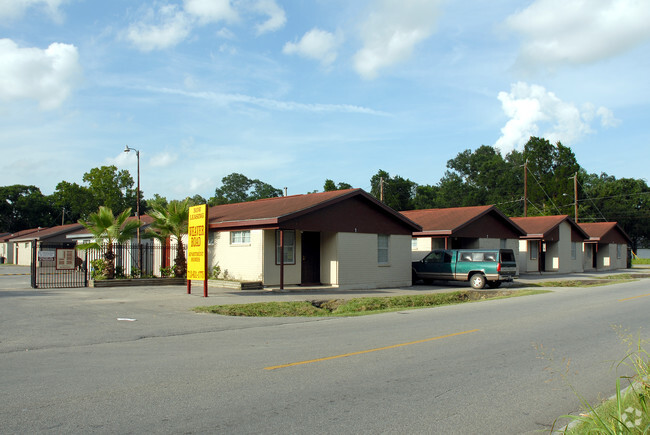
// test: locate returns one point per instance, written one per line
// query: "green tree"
(624, 200)
(112, 188)
(23, 207)
(239, 188)
(550, 182)
(398, 192)
(330, 186)
(157, 200)
(74, 201)
(171, 220)
(109, 229)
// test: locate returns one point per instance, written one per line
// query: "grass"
(637, 260)
(627, 412)
(358, 306)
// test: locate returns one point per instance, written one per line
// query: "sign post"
(197, 247)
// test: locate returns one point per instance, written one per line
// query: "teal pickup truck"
(480, 267)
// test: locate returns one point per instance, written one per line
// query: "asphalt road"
(138, 360)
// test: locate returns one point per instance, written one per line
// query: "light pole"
(137, 196)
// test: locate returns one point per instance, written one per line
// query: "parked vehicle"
(480, 267)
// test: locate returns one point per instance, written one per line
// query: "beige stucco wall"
(524, 262)
(608, 257)
(271, 271)
(24, 253)
(240, 262)
(358, 265)
(329, 273)
(558, 254)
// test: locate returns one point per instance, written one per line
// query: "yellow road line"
(367, 351)
(634, 297)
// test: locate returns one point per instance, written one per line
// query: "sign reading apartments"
(196, 249)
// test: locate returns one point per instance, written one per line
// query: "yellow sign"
(197, 252)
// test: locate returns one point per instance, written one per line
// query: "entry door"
(310, 258)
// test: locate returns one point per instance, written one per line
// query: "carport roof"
(447, 221)
(539, 227)
(10, 236)
(603, 231)
(47, 233)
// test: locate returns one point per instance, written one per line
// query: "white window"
(382, 248)
(240, 237)
(414, 244)
(289, 247)
(618, 251)
(574, 249)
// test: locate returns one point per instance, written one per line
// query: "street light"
(137, 195)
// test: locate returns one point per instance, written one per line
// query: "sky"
(296, 92)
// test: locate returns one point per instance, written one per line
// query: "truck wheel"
(477, 281)
(494, 284)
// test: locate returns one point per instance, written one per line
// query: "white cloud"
(210, 11)
(160, 29)
(162, 160)
(47, 76)
(277, 18)
(560, 32)
(531, 107)
(392, 31)
(315, 44)
(12, 9)
(283, 106)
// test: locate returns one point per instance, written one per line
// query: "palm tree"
(109, 229)
(169, 221)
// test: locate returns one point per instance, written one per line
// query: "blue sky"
(296, 92)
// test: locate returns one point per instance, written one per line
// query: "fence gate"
(58, 265)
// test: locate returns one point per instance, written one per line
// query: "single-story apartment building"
(551, 244)
(345, 239)
(480, 227)
(607, 246)
(9, 249)
(24, 244)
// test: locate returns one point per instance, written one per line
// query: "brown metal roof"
(603, 231)
(83, 231)
(541, 226)
(7, 237)
(447, 221)
(49, 232)
(272, 212)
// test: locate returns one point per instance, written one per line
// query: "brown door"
(310, 258)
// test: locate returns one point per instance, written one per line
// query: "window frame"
(243, 241)
(383, 249)
(289, 250)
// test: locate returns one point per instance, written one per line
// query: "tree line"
(547, 173)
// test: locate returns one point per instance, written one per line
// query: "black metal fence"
(57, 265)
(64, 265)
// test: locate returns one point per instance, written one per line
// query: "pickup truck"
(480, 267)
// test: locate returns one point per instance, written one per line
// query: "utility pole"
(575, 194)
(381, 189)
(63, 217)
(526, 188)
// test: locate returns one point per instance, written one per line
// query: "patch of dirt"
(476, 295)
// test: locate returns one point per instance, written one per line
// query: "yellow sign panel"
(197, 252)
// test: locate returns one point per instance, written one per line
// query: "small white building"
(551, 244)
(607, 246)
(345, 239)
(479, 227)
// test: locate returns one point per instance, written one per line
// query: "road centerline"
(361, 352)
(634, 297)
